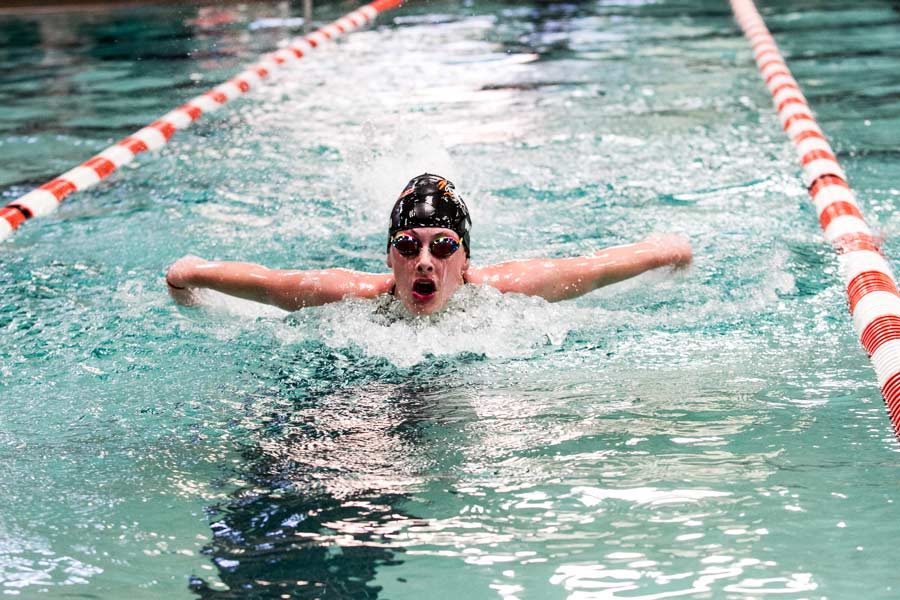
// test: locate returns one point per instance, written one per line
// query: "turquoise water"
(712, 433)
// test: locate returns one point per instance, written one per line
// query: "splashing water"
(478, 320)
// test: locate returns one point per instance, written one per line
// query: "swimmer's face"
(424, 282)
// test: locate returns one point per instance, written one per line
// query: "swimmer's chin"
(424, 307)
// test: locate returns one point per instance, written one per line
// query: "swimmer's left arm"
(565, 278)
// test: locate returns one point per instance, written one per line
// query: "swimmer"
(428, 251)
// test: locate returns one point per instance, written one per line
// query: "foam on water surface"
(478, 320)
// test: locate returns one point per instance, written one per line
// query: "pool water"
(709, 433)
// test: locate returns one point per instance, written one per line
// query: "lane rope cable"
(46, 199)
(872, 294)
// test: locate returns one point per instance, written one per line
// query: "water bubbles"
(478, 321)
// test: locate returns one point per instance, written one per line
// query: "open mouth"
(423, 289)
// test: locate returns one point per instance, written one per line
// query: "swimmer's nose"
(425, 265)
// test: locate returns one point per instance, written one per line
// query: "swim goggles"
(441, 247)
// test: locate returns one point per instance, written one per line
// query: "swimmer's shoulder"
(372, 285)
(359, 284)
(476, 276)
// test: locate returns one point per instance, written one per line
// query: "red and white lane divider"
(45, 199)
(871, 288)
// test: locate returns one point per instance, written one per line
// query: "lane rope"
(872, 294)
(46, 199)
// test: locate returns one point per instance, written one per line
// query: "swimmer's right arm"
(286, 289)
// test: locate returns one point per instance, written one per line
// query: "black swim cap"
(430, 201)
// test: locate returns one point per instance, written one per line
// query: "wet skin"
(425, 283)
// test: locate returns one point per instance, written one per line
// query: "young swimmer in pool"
(428, 254)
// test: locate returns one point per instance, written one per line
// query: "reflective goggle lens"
(406, 245)
(443, 247)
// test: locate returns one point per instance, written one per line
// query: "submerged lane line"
(872, 293)
(45, 199)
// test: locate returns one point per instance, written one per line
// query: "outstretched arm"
(289, 290)
(564, 278)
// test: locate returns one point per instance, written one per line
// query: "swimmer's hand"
(179, 280)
